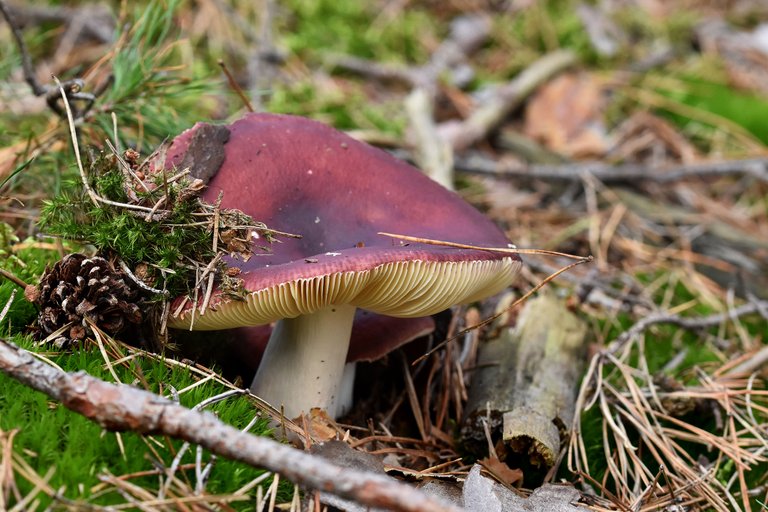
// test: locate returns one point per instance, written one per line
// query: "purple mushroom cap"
(301, 176)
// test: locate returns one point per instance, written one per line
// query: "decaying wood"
(526, 383)
(122, 407)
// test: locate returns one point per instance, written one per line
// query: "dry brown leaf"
(567, 115)
(501, 471)
(320, 426)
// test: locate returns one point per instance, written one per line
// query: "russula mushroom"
(300, 176)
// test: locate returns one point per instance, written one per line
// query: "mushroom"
(300, 176)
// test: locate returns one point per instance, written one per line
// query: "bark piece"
(526, 385)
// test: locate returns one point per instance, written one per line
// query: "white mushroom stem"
(304, 362)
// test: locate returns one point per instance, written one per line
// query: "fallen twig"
(13, 278)
(606, 173)
(235, 87)
(122, 407)
(432, 151)
(506, 98)
(71, 89)
(691, 323)
(26, 61)
(468, 33)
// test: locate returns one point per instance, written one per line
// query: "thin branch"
(72, 89)
(13, 277)
(235, 87)
(374, 70)
(468, 33)
(26, 61)
(606, 173)
(122, 407)
(691, 323)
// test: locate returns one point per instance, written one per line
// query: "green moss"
(115, 230)
(49, 435)
(356, 28)
(27, 264)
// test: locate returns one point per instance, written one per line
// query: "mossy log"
(525, 385)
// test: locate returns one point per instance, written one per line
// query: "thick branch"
(526, 383)
(122, 407)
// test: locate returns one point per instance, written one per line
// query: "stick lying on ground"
(506, 98)
(122, 407)
(607, 173)
(525, 385)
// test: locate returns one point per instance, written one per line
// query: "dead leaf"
(501, 471)
(320, 426)
(567, 116)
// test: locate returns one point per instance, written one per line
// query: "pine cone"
(79, 289)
